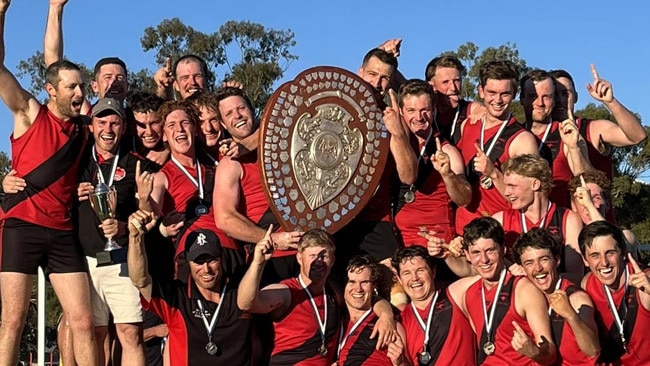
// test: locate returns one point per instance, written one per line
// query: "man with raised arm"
(205, 325)
(570, 308)
(508, 313)
(46, 147)
(600, 134)
(488, 144)
(620, 290)
(559, 141)
(309, 300)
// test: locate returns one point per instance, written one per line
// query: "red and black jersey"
(176, 303)
(445, 126)
(554, 222)
(47, 157)
(432, 207)
(502, 328)
(600, 161)
(569, 353)
(637, 321)
(451, 338)
(297, 334)
(485, 202)
(91, 236)
(553, 152)
(359, 349)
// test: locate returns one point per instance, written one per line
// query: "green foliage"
(254, 55)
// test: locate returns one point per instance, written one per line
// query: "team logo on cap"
(201, 239)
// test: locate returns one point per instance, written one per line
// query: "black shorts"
(26, 246)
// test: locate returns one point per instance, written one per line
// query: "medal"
(486, 182)
(211, 348)
(488, 348)
(424, 358)
(618, 319)
(201, 209)
(322, 349)
(409, 196)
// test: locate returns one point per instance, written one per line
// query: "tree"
(254, 55)
(5, 167)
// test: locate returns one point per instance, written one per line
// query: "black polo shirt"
(176, 303)
(90, 235)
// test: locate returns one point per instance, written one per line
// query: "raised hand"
(391, 46)
(143, 181)
(264, 248)
(569, 131)
(583, 195)
(521, 342)
(601, 90)
(638, 278)
(58, 2)
(232, 84)
(456, 247)
(141, 222)
(4, 5)
(482, 163)
(392, 116)
(164, 77)
(441, 161)
(559, 302)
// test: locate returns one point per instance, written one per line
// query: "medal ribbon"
(495, 138)
(545, 136)
(210, 326)
(100, 175)
(322, 322)
(614, 310)
(488, 322)
(198, 183)
(542, 224)
(426, 327)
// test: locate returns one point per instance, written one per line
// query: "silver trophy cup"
(103, 201)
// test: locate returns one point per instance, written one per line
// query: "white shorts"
(113, 293)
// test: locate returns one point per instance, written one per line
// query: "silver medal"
(201, 210)
(211, 348)
(424, 358)
(488, 348)
(409, 196)
(322, 350)
(486, 182)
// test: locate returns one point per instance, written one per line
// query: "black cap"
(202, 242)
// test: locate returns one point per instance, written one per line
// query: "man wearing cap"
(112, 293)
(205, 324)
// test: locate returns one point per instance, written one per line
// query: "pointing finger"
(438, 147)
(569, 113)
(168, 65)
(582, 181)
(479, 150)
(635, 265)
(517, 327)
(393, 99)
(268, 232)
(594, 73)
(138, 172)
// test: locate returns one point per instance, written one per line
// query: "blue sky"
(550, 34)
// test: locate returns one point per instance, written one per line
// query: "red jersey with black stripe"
(183, 196)
(456, 345)
(504, 354)
(638, 342)
(176, 303)
(359, 349)
(47, 156)
(297, 334)
(569, 353)
(485, 202)
(432, 207)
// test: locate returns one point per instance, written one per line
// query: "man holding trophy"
(107, 196)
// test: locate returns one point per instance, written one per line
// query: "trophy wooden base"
(115, 256)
